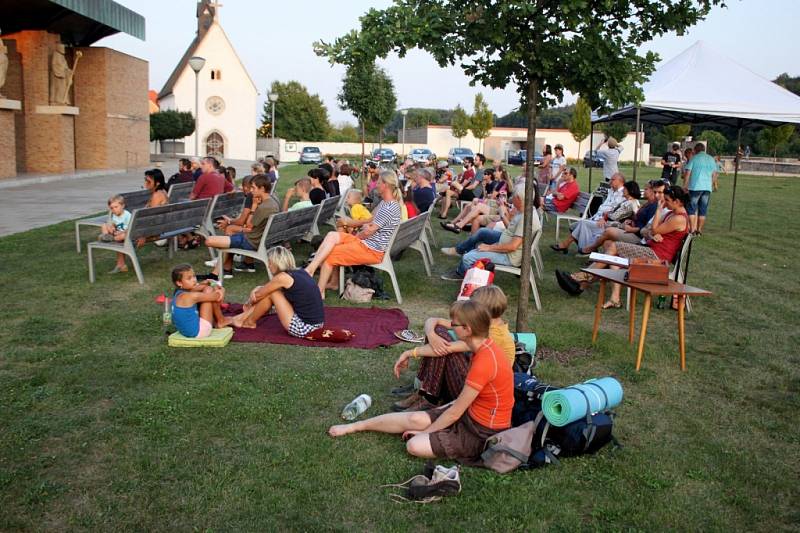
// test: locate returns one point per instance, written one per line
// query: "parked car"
(310, 154)
(383, 156)
(456, 155)
(519, 157)
(422, 155)
(591, 159)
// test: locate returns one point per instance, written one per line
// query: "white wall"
(237, 123)
(290, 150)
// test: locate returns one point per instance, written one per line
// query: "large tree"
(299, 116)
(676, 132)
(459, 124)
(481, 121)
(715, 141)
(543, 47)
(368, 93)
(580, 125)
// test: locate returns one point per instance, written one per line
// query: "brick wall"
(113, 128)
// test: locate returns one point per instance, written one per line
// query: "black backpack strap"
(605, 396)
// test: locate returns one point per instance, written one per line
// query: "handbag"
(356, 293)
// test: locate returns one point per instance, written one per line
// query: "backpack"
(367, 278)
(509, 449)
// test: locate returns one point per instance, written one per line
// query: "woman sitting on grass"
(196, 306)
(291, 291)
(458, 430)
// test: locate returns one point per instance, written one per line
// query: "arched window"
(215, 145)
(219, 74)
(213, 72)
(216, 74)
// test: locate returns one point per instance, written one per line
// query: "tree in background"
(503, 42)
(459, 124)
(172, 125)
(789, 83)
(619, 130)
(580, 125)
(344, 132)
(772, 139)
(715, 141)
(299, 116)
(481, 121)
(368, 93)
(676, 132)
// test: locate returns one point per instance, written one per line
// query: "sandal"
(611, 304)
(567, 284)
(449, 226)
(558, 248)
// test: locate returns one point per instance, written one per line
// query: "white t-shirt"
(345, 184)
(556, 164)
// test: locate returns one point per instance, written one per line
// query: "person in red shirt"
(210, 183)
(565, 193)
(459, 429)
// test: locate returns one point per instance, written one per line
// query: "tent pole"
(591, 159)
(636, 145)
(735, 173)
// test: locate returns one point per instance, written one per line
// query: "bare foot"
(239, 319)
(341, 429)
(225, 322)
(247, 324)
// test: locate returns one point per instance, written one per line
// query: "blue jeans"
(698, 202)
(469, 255)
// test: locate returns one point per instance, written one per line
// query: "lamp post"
(273, 97)
(404, 112)
(197, 63)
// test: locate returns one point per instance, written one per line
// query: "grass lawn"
(102, 426)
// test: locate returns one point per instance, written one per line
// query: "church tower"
(227, 95)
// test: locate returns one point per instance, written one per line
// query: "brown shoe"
(406, 402)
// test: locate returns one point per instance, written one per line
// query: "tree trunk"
(363, 159)
(774, 160)
(527, 236)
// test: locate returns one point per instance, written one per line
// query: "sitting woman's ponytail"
(390, 178)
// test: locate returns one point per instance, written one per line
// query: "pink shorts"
(205, 329)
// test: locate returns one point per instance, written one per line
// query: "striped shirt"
(387, 218)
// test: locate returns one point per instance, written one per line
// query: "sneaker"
(238, 258)
(244, 267)
(453, 275)
(210, 275)
(117, 269)
(227, 274)
(444, 482)
(106, 237)
(409, 336)
(405, 403)
(450, 251)
(211, 263)
(419, 404)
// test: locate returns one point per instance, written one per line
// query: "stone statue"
(3, 65)
(61, 76)
(58, 76)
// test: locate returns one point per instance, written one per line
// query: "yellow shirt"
(359, 212)
(504, 340)
(403, 211)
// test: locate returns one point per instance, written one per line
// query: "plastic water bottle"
(353, 409)
(166, 318)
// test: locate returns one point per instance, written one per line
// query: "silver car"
(311, 154)
(422, 155)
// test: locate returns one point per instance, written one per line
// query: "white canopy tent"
(701, 85)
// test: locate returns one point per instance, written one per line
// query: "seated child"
(193, 322)
(237, 225)
(444, 363)
(359, 215)
(301, 189)
(293, 293)
(116, 228)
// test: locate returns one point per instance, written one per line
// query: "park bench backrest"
(329, 206)
(136, 199)
(582, 202)
(288, 225)
(166, 219)
(228, 204)
(408, 233)
(180, 192)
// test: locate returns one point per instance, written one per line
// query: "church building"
(226, 92)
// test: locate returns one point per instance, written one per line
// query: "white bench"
(534, 266)
(133, 200)
(581, 206)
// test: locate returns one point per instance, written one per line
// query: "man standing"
(210, 183)
(701, 175)
(672, 164)
(502, 248)
(610, 156)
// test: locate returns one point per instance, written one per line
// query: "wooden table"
(649, 289)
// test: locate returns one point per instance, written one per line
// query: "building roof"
(206, 17)
(78, 22)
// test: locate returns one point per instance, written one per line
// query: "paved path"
(35, 204)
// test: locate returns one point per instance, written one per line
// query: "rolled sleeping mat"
(528, 339)
(564, 406)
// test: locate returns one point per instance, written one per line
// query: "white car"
(421, 155)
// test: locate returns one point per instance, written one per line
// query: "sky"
(274, 40)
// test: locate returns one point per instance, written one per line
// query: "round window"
(215, 105)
